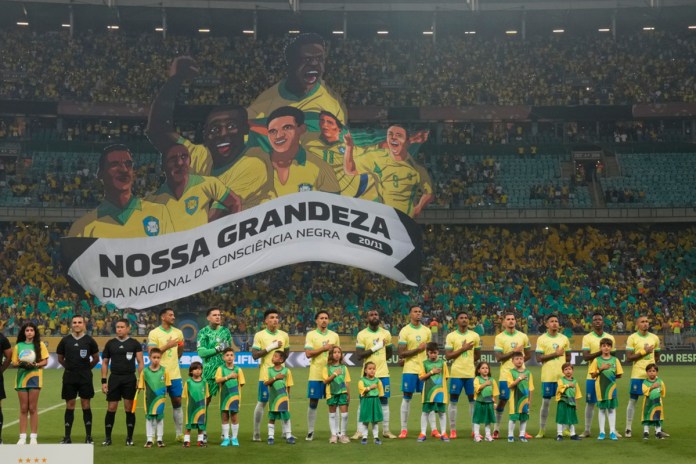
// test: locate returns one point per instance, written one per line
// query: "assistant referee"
(78, 353)
(121, 354)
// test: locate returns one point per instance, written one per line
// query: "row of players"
(78, 353)
(293, 138)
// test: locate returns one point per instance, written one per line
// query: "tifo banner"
(307, 226)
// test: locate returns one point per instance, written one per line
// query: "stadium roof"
(403, 18)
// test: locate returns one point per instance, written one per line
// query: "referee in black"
(5, 358)
(78, 353)
(121, 353)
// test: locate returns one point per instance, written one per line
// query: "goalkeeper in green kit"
(212, 341)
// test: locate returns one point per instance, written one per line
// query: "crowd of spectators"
(122, 68)
(573, 271)
(624, 195)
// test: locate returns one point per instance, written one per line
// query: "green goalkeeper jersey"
(210, 345)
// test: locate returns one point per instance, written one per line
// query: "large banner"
(308, 226)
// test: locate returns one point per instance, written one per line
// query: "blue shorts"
(591, 395)
(316, 389)
(636, 388)
(504, 390)
(263, 393)
(410, 383)
(176, 389)
(549, 389)
(387, 387)
(459, 383)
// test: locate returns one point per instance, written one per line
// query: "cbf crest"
(191, 205)
(304, 187)
(151, 226)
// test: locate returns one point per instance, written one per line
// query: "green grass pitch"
(680, 406)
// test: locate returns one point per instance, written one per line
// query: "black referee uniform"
(77, 356)
(120, 356)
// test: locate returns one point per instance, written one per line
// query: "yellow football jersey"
(307, 174)
(191, 210)
(506, 342)
(463, 366)
(170, 359)
(261, 340)
(411, 337)
(140, 218)
(636, 342)
(398, 182)
(590, 342)
(367, 338)
(315, 340)
(551, 370)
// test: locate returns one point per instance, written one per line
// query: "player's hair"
(296, 113)
(155, 350)
(105, 153)
(282, 354)
(432, 346)
(164, 310)
(22, 337)
(125, 321)
(77, 315)
(652, 366)
(166, 148)
(509, 312)
(517, 354)
(195, 365)
(414, 306)
(480, 365)
(319, 313)
(459, 313)
(332, 116)
(549, 316)
(402, 127)
(642, 315)
(566, 364)
(340, 361)
(597, 313)
(268, 312)
(227, 350)
(606, 341)
(243, 113)
(211, 309)
(308, 38)
(365, 367)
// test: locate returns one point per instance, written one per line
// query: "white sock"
(658, 429)
(602, 419)
(311, 419)
(511, 428)
(258, 414)
(375, 431)
(178, 414)
(344, 424)
(271, 430)
(160, 430)
(362, 428)
(630, 412)
(235, 430)
(488, 430)
(612, 420)
(226, 430)
(358, 417)
(559, 429)
(544, 413)
(33, 436)
(523, 428)
(424, 423)
(431, 419)
(572, 429)
(477, 430)
(187, 438)
(646, 429)
(287, 428)
(443, 422)
(452, 410)
(589, 416)
(200, 436)
(150, 425)
(385, 415)
(405, 408)
(498, 418)
(23, 436)
(332, 423)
